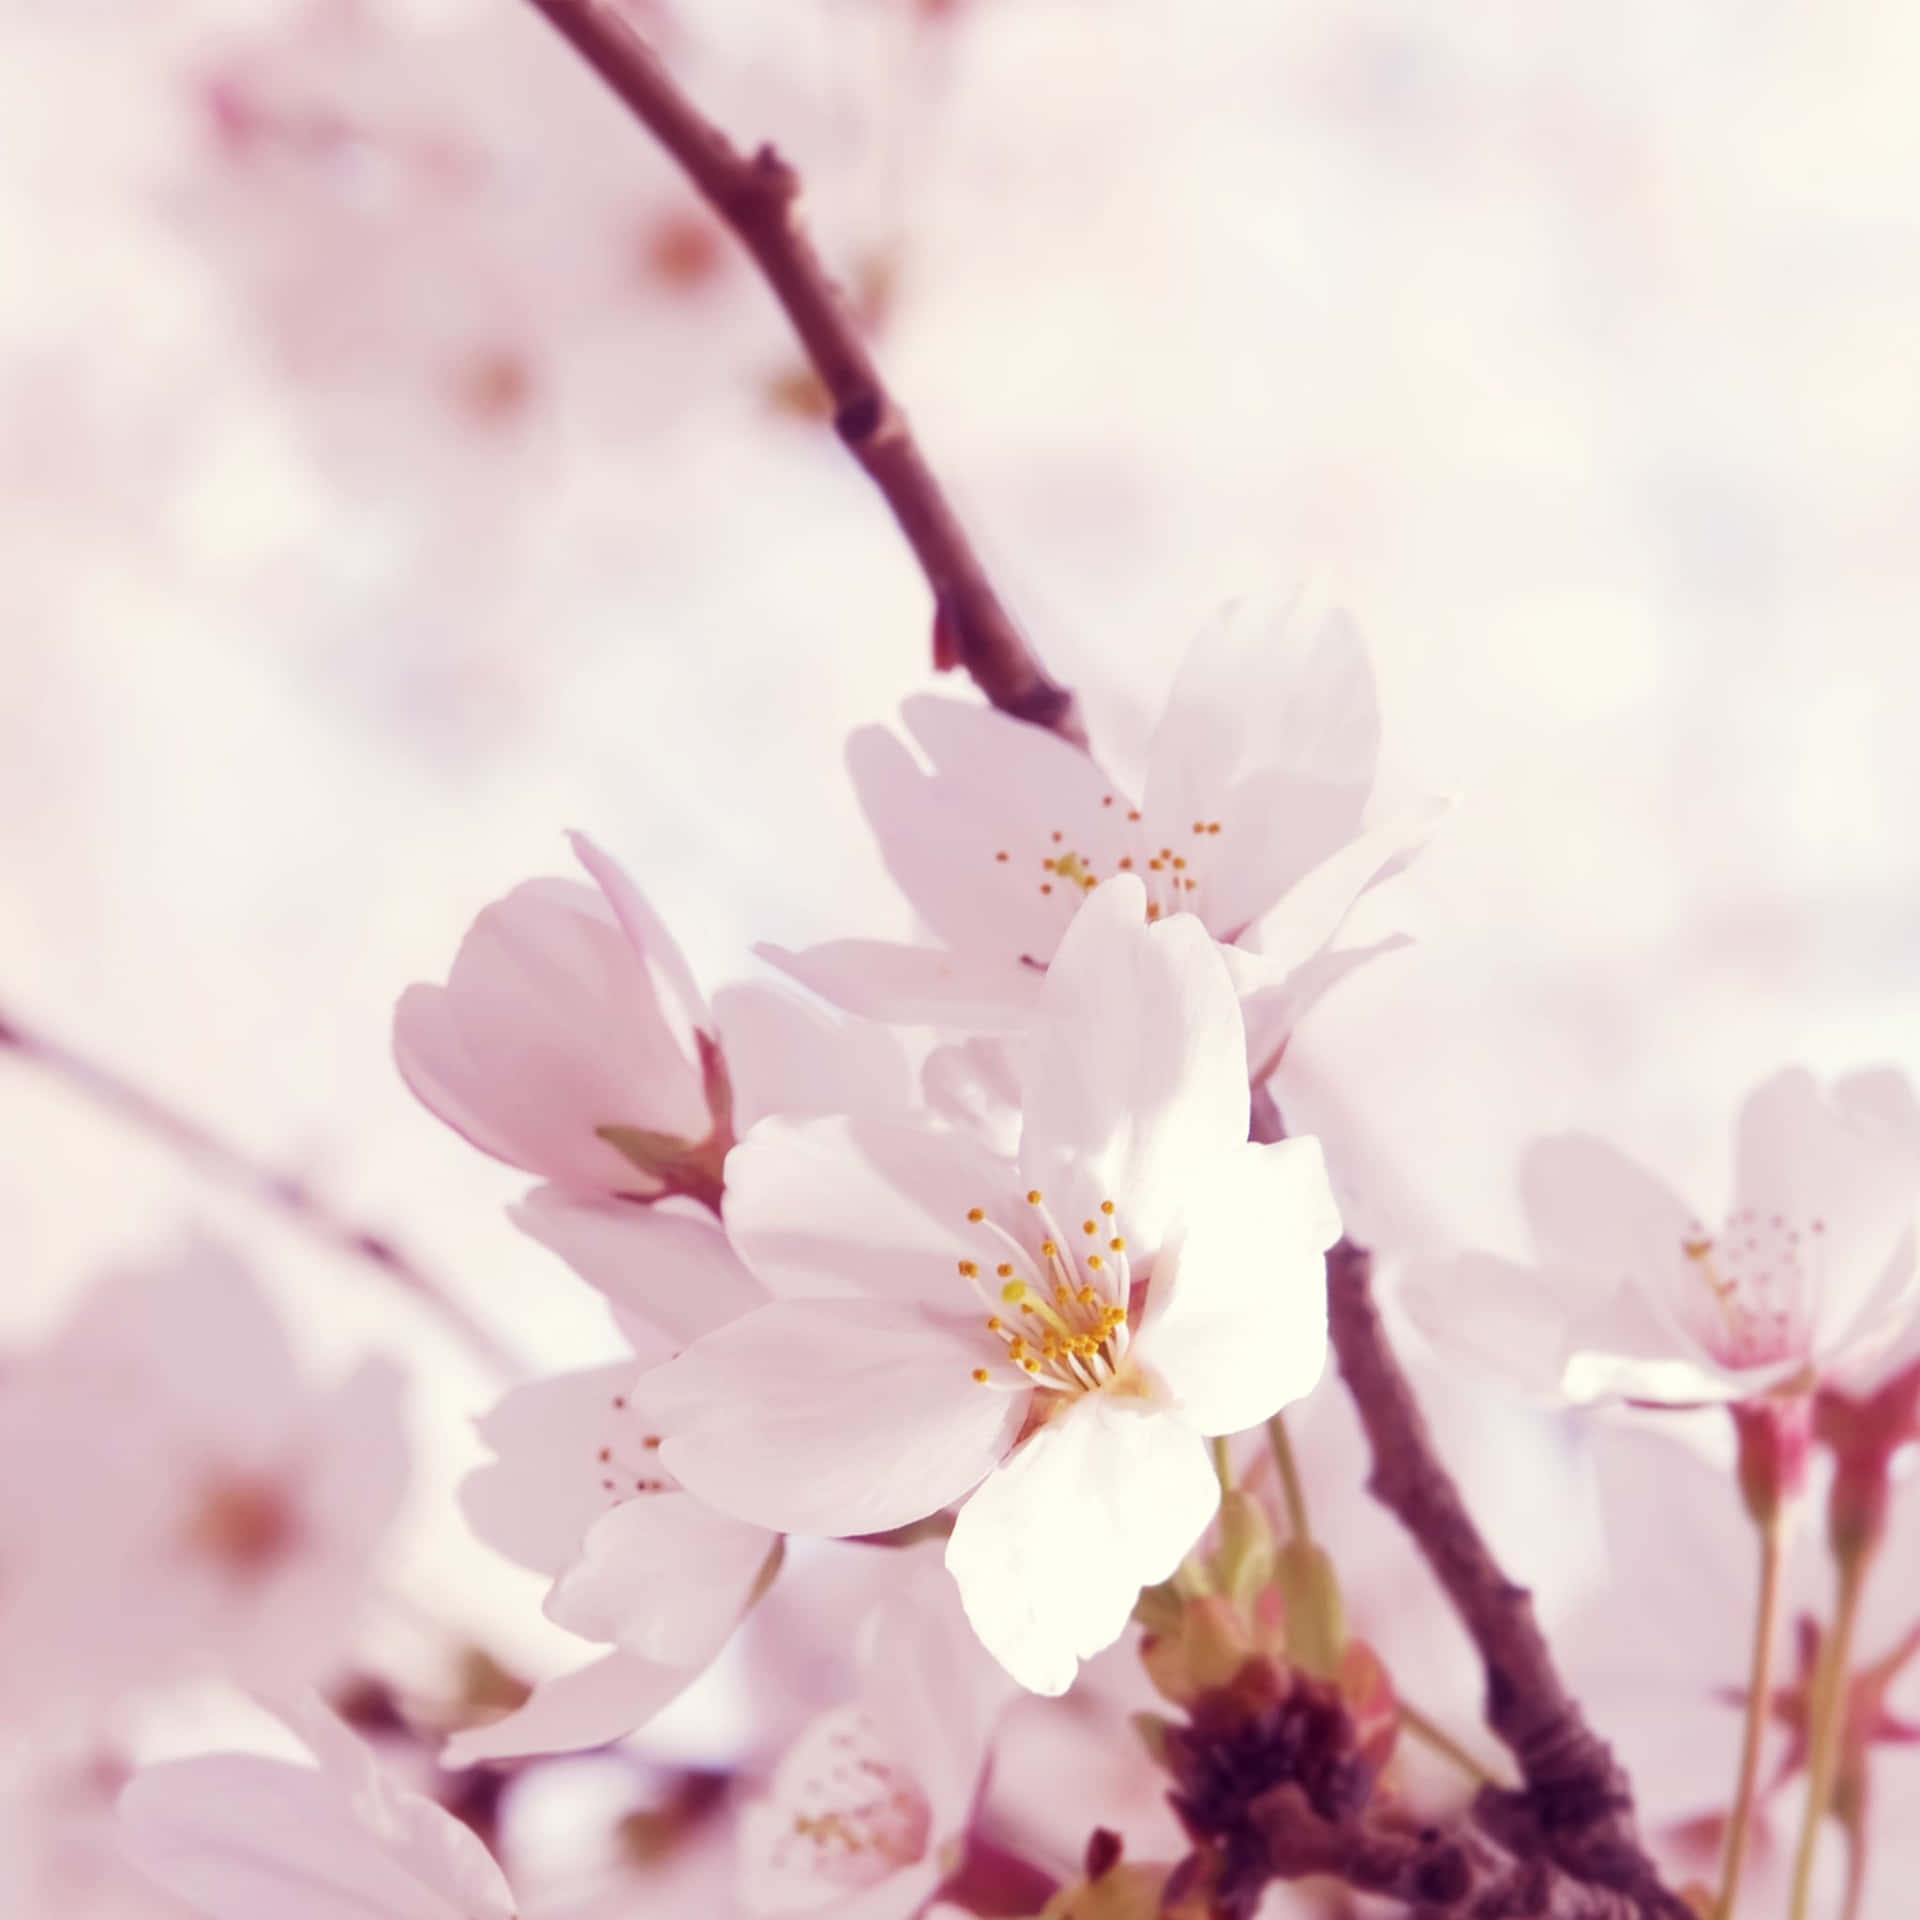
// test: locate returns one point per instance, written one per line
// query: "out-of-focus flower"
(1141, 1278)
(868, 1812)
(59, 1839)
(239, 1836)
(193, 1503)
(1251, 819)
(1634, 1297)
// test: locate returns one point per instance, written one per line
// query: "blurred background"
(399, 468)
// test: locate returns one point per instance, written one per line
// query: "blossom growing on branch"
(1251, 819)
(1053, 1337)
(1635, 1296)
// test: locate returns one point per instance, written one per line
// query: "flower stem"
(1291, 1488)
(1829, 1713)
(1430, 1733)
(1223, 1462)
(1766, 1624)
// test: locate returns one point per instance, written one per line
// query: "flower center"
(853, 1817)
(627, 1468)
(1761, 1275)
(1058, 1302)
(244, 1524)
(1172, 875)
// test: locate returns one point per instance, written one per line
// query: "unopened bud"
(1316, 1618)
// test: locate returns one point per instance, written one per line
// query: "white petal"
(832, 1416)
(675, 1273)
(1236, 1321)
(855, 1203)
(788, 1055)
(1271, 728)
(665, 1576)
(1134, 1076)
(1052, 1551)
(915, 986)
(589, 1707)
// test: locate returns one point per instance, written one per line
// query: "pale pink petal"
(833, 1416)
(536, 1500)
(1271, 729)
(674, 1273)
(1846, 1190)
(1588, 1205)
(592, 1706)
(857, 1203)
(1051, 1553)
(916, 986)
(1273, 1007)
(844, 1827)
(786, 1055)
(240, 1837)
(1134, 1075)
(664, 1576)
(1236, 1321)
(682, 1005)
(975, 1085)
(550, 1027)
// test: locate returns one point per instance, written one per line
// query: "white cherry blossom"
(1053, 1336)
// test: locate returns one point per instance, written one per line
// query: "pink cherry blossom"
(570, 1039)
(1635, 1296)
(1054, 1336)
(181, 1458)
(578, 1491)
(867, 1813)
(239, 1837)
(1251, 817)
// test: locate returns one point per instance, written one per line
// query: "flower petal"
(1236, 1321)
(857, 1203)
(589, 1707)
(915, 986)
(832, 1416)
(1272, 729)
(676, 1274)
(1052, 1551)
(665, 1576)
(787, 1055)
(1134, 1077)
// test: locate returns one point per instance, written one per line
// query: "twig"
(284, 1193)
(757, 195)
(1576, 1804)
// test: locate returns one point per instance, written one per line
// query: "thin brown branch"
(758, 195)
(282, 1193)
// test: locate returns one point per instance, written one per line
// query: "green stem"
(1291, 1488)
(1766, 1626)
(1829, 1712)
(1431, 1734)
(1223, 1462)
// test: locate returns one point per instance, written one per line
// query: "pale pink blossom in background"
(179, 1500)
(868, 1811)
(945, 1322)
(1636, 1297)
(243, 1837)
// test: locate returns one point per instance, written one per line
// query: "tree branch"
(281, 1192)
(1576, 1806)
(758, 196)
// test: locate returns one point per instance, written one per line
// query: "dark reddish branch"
(284, 1193)
(757, 195)
(1576, 1804)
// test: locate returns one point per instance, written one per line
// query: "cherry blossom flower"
(1251, 816)
(238, 1836)
(571, 1040)
(183, 1460)
(1054, 1336)
(577, 1491)
(867, 1813)
(1634, 1296)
